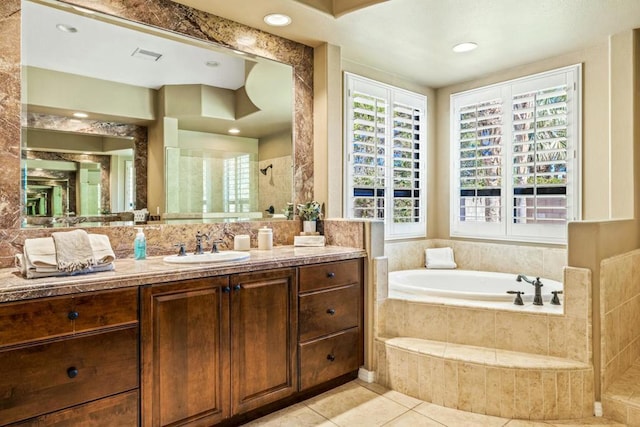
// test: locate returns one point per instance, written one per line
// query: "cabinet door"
(185, 347)
(263, 338)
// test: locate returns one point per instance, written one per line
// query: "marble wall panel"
(182, 19)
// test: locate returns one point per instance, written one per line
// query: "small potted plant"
(309, 213)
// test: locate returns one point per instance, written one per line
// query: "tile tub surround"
(620, 332)
(161, 13)
(504, 258)
(129, 272)
(472, 343)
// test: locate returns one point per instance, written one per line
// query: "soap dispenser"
(140, 245)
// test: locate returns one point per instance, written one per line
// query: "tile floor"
(360, 404)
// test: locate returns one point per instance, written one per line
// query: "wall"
(596, 146)
(174, 17)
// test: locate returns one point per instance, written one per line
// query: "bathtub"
(464, 285)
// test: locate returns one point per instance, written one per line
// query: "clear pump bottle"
(140, 245)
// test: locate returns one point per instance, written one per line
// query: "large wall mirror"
(119, 116)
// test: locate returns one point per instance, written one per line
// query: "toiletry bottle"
(265, 239)
(140, 245)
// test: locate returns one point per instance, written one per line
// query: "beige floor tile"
(412, 419)
(525, 423)
(401, 398)
(452, 417)
(353, 405)
(592, 421)
(298, 415)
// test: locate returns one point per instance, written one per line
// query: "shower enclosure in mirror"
(120, 116)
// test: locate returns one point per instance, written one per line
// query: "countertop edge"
(132, 273)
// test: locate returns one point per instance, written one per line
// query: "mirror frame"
(170, 16)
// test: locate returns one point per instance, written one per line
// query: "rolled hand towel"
(440, 258)
(73, 250)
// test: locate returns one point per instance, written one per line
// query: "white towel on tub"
(440, 258)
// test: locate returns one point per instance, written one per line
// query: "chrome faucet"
(537, 298)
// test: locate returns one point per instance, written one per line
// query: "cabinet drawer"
(43, 378)
(329, 275)
(50, 317)
(330, 357)
(329, 311)
(119, 410)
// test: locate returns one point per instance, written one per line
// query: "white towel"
(440, 258)
(39, 257)
(73, 250)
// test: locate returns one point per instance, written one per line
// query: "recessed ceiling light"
(234, 130)
(80, 115)
(66, 28)
(465, 47)
(212, 64)
(277, 19)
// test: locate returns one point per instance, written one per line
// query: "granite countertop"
(129, 272)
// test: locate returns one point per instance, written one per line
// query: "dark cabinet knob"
(331, 311)
(237, 287)
(331, 275)
(72, 372)
(73, 315)
(226, 289)
(331, 357)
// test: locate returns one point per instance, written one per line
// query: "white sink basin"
(207, 257)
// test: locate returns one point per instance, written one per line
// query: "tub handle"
(518, 294)
(554, 299)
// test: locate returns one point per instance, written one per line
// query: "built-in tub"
(464, 285)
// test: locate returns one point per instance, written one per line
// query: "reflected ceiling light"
(277, 19)
(234, 130)
(80, 115)
(212, 64)
(246, 40)
(465, 47)
(66, 28)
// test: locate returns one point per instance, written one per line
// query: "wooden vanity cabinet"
(185, 352)
(70, 360)
(263, 338)
(330, 321)
(217, 347)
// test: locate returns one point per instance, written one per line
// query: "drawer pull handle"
(73, 315)
(72, 372)
(331, 357)
(331, 275)
(237, 287)
(331, 311)
(226, 289)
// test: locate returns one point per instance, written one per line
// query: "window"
(237, 184)
(385, 136)
(515, 152)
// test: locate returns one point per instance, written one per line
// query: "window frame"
(507, 229)
(393, 97)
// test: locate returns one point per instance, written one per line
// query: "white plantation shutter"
(385, 138)
(237, 184)
(515, 147)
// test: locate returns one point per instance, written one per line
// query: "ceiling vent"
(146, 54)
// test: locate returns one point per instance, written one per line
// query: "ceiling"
(412, 39)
